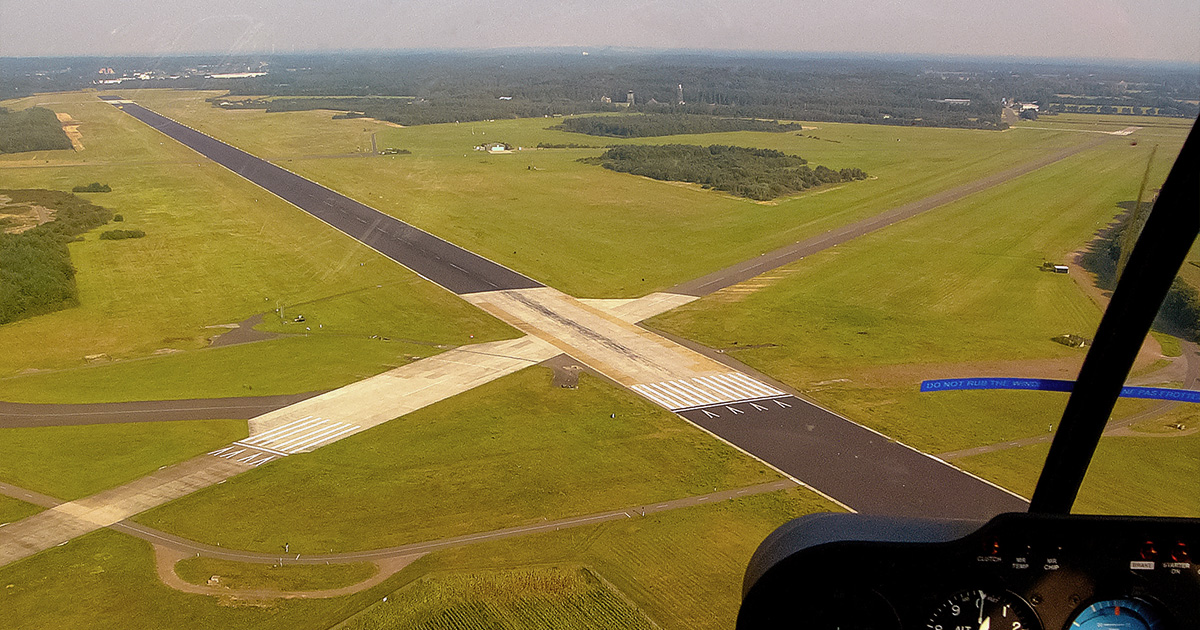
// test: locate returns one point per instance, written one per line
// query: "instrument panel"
(1016, 572)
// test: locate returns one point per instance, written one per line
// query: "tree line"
(36, 275)
(32, 129)
(759, 174)
(667, 125)
(1180, 310)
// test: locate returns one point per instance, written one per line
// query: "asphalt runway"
(853, 464)
(20, 415)
(436, 260)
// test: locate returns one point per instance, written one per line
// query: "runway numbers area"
(705, 391)
(298, 436)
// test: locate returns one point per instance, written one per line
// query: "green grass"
(12, 510)
(514, 451)
(1150, 476)
(1170, 344)
(532, 598)
(944, 294)
(280, 366)
(77, 461)
(218, 250)
(682, 569)
(288, 577)
(107, 580)
(597, 233)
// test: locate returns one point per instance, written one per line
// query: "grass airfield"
(592, 232)
(875, 312)
(218, 250)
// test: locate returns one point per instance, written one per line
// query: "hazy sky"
(1128, 29)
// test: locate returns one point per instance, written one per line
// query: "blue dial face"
(1117, 614)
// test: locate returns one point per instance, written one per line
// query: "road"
(15, 415)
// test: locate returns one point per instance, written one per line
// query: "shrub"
(119, 235)
(93, 187)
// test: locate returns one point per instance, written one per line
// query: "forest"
(32, 129)
(648, 125)
(36, 275)
(758, 174)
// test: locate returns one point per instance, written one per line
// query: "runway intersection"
(848, 463)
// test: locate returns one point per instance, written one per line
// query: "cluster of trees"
(759, 174)
(32, 129)
(93, 187)
(36, 275)
(120, 235)
(1180, 310)
(667, 125)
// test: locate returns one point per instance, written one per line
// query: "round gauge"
(1117, 614)
(983, 610)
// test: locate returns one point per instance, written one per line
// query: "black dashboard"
(1016, 572)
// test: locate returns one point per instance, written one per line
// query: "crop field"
(954, 292)
(76, 461)
(514, 451)
(287, 577)
(596, 233)
(218, 250)
(541, 597)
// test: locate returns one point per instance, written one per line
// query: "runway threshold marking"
(706, 391)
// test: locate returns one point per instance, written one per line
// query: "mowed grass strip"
(77, 461)
(107, 580)
(518, 599)
(12, 510)
(1143, 476)
(289, 365)
(287, 577)
(514, 451)
(953, 292)
(217, 251)
(597, 233)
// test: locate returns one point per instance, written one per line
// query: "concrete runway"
(434, 259)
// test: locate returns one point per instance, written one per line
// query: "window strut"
(1151, 268)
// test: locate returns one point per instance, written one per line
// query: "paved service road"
(13, 415)
(745, 270)
(853, 464)
(437, 260)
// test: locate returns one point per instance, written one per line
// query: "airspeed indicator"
(981, 610)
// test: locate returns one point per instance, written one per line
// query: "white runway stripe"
(304, 434)
(704, 391)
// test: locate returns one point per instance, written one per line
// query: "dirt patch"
(241, 332)
(18, 218)
(566, 371)
(70, 126)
